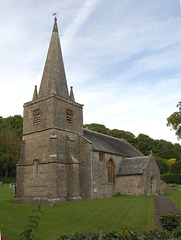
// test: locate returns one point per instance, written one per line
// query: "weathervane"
(55, 14)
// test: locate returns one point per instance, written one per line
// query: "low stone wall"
(41, 201)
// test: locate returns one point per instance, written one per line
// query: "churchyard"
(135, 213)
(175, 196)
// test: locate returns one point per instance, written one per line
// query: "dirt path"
(163, 205)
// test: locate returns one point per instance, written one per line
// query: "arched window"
(110, 171)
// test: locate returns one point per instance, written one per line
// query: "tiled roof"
(108, 144)
(132, 165)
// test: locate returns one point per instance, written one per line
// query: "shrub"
(170, 221)
(122, 234)
(125, 234)
(163, 165)
(171, 178)
(8, 180)
(176, 167)
(32, 226)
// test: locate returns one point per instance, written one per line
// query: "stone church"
(61, 161)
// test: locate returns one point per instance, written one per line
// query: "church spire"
(35, 94)
(54, 68)
(72, 94)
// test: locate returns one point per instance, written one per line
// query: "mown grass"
(135, 213)
(175, 196)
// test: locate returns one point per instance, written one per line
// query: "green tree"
(176, 167)
(144, 143)
(128, 136)
(174, 121)
(163, 149)
(97, 127)
(15, 122)
(163, 165)
(9, 151)
(177, 150)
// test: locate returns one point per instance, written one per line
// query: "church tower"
(50, 161)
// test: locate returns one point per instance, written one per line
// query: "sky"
(122, 58)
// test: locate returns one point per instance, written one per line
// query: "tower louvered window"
(69, 116)
(36, 114)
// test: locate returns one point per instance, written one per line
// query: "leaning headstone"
(179, 188)
(10, 185)
(1, 183)
(13, 189)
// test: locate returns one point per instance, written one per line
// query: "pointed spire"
(55, 27)
(54, 66)
(35, 94)
(53, 87)
(72, 94)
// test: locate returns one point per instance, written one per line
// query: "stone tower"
(53, 149)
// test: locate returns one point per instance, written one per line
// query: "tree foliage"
(174, 121)
(144, 143)
(10, 137)
(164, 165)
(172, 160)
(14, 122)
(97, 127)
(128, 136)
(176, 167)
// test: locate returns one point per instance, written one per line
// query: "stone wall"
(39, 181)
(146, 183)
(152, 178)
(60, 107)
(85, 159)
(54, 164)
(45, 109)
(73, 182)
(130, 185)
(101, 187)
(52, 114)
(36, 147)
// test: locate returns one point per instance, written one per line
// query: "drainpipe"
(92, 192)
(115, 184)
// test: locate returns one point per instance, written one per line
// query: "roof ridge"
(122, 139)
(138, 157)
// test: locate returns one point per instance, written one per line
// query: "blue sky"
(121, 56)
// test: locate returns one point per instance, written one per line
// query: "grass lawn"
(175, 196)
(135, 213)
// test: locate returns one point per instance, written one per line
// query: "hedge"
(171, 178)
(7, 180)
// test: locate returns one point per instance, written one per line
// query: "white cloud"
(78, 21)
(122, 57)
